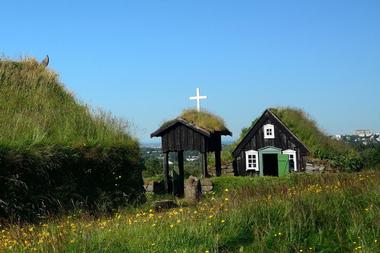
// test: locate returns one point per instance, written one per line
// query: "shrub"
(42, 182)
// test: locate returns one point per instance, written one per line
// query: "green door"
(283, 163)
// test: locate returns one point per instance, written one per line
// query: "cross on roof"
(198, 97)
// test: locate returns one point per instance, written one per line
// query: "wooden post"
(181, 175)
(204, 165)
(218, 164)
(166, 172)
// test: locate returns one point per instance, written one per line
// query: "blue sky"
(141, 60)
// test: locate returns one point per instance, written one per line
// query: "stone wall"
(154, 186)
(227, 170)
(206, 185)
(319, 166)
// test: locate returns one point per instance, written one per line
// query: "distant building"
(338, 137)
(363, 132)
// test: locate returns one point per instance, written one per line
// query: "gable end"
(260, 123)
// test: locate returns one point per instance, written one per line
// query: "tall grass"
(202, 119)
(300, 213)
(56, 152)
(36, 109)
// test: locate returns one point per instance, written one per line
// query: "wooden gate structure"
(180, 135)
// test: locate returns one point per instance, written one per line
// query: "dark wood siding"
(181, 137)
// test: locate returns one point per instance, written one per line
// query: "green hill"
(320, 144)
(55, 154)
(36, 109)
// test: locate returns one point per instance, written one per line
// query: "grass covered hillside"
(36, 109)
(320, 144)
(55, 154)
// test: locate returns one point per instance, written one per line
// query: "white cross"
(198, 97)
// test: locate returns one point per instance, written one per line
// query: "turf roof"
(203, 120)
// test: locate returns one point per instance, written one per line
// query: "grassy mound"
(36, 109)
(320, 144)
(55, 154)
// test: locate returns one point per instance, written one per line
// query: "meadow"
(57, 154)
(299, 213)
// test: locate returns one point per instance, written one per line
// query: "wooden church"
(269, 149)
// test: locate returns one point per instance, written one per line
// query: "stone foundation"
(227, 170)
(319, 166)
(206, 185)
(154, 186)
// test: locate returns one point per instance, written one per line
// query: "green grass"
(37, 110)
(299, 213)
(55, 150)
(203, 119)
(308, 131)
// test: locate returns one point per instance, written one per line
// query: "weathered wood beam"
(166, 172)
(218, 163)
(181, 174)
(204, 165)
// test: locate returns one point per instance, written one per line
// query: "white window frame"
(268, 127)
(294, 153)
(247, 160)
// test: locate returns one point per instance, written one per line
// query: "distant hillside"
(320, 144)
(36, 109)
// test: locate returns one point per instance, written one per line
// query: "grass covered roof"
(308, 131)
(204, 120)
(36, 109)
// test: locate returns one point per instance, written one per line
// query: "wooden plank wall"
(282, 140)
(182, 137)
